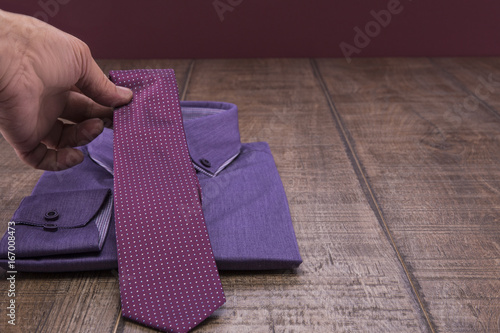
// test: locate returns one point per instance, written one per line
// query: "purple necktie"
(167, 273)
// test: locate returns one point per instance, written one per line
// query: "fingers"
(55, 153)
(72, 135)
(96, 85)
(80, 107)
(80, 134)
(52, 160)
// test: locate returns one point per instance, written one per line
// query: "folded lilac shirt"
(67, 223)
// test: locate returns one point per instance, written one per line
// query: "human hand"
(46, 74)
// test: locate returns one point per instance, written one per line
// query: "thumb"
(97, 86)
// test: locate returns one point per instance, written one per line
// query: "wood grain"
(350, 279)
(391, 171)
(433, 166)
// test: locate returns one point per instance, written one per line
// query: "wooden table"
(392, 171)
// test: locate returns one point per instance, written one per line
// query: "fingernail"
(73, 157)
(125, 93)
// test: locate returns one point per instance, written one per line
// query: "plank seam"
(115, 330)
(363, 179)
(188, 79)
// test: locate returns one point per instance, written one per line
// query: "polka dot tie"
(167, 273)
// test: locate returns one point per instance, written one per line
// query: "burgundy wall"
(279, 28)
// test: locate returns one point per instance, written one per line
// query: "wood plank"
(478, 78)
(373, 80)
(350, 279)
(433, 169)
(61, 302)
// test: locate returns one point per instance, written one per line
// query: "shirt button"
(51, 215)
(50, 227)
(206, 163)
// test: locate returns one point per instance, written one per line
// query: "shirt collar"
(212, 136)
